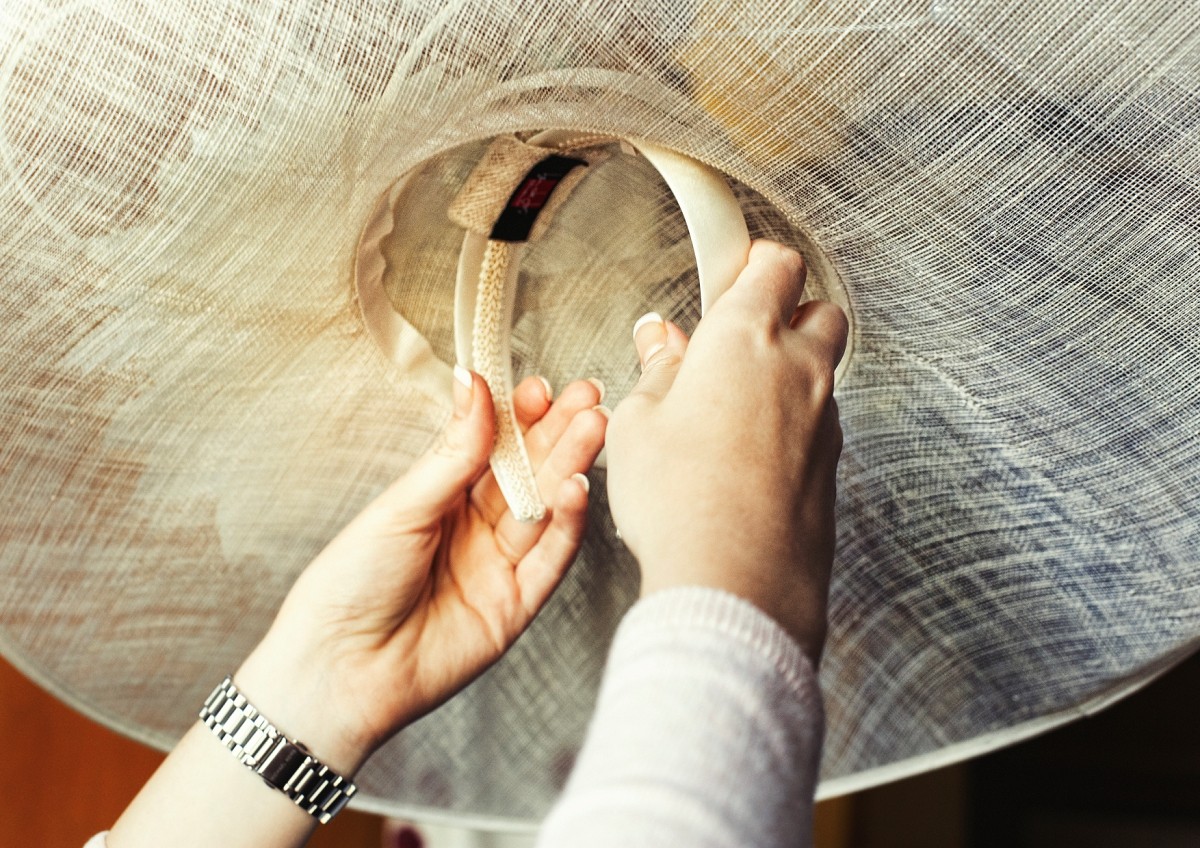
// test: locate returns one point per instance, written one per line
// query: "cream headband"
(508, 201)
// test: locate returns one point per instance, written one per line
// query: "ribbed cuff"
(671, 613)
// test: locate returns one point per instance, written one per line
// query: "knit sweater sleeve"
(707, 733)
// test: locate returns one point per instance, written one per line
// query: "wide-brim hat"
(1004, 197)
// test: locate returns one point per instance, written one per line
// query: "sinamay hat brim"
(190, 405)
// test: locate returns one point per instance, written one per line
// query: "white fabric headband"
(507, 201)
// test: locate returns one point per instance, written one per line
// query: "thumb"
(660, 346)
(460, 454)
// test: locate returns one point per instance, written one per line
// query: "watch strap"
(283, 764)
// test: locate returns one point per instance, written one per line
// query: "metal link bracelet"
(282, 763)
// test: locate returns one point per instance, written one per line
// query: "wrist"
(300, 699)
(777, 586)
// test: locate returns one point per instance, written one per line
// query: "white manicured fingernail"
(649, 336)
(603, 410)
(549, 388)
(599, 387)
(648, 318)
(582, 480)
(462, 375)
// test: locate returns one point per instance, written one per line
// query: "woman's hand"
(722, 461)
(431, 583)
(420, 593)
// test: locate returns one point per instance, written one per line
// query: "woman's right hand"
(722, 461)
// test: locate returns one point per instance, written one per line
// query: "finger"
(543, 567)
(540, 440)
(823, 326)
(460, 453)
(573, 454)
(661, 346)
(531, 399)
(772, 281)
(576, 397)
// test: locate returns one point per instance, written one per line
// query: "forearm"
(707, 733)
(417, 596)
(203, 796)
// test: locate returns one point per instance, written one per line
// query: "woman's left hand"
(431, 583)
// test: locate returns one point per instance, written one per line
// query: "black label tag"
(530, 198)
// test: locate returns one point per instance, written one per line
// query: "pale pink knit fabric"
(707, 733)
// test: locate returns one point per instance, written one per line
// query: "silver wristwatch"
(282, 763)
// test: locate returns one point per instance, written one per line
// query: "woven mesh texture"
(190, 405)
(489, 187)
(510, 461)
(501, 167)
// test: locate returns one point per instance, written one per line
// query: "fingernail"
(648, 318)
(649, 336)
(599, 387)
(464, 388)
(582, 480)
(549, 388)
(603, 410)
